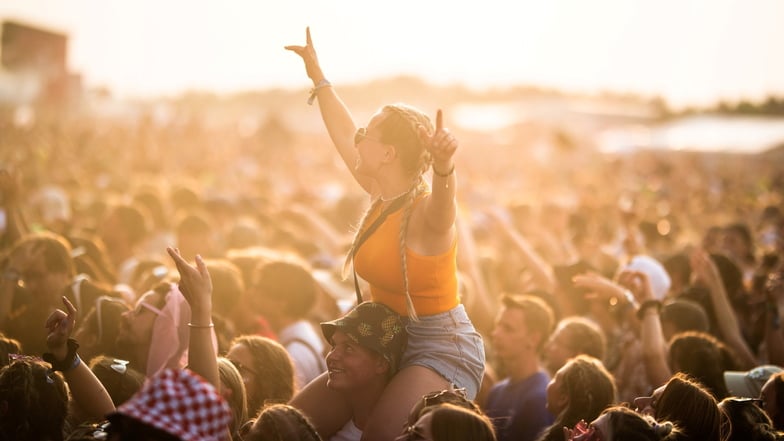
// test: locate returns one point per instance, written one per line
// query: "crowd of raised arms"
(173, 282)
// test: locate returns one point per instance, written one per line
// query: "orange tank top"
(432, 280)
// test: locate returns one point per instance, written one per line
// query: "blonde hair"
(400, 127)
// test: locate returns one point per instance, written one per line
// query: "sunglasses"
(361, 135)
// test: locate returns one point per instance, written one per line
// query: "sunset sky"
(690, 52)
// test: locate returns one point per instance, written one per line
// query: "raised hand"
(195, 283)
(308, 54)
(59, 326)
(441, 145)
(637, 282)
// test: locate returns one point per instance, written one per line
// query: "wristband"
(444, 175)
(320, 85)
(70, 361)
(648, 304)
(211, 325)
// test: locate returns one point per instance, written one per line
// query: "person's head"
(456, 397)
(704, 358)
(97, 334)
(8, 346)
(123, 229)
(280, 422)
(685, 402)
(33, 401)
(195, 235)
(120, 380)
(522, 327)
(574, 336)
(772, 396)
(682, 314)
(393, 137)
(448, 422)
(678, 268)
(367, 346)
(747, 420)
(266, 369)
(581, 389)
(161, 316)
(43, 263)
(737, 242)
(175, 404)
(233, 391)
(621, 423)
(227, 286)
(283, 290)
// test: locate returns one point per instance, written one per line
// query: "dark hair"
(685, 315)
(275, 371)
(120, 380)
(688, 404)
(227, 285)
(590, 387)
(626, 424)
(56, 251)
(456, 423)
(704, 358)
(538, 315)
(8, 346)
(288, 280)
(131, 429)
(280, 422)
(36, 402)
(133, 222)
(748, 422)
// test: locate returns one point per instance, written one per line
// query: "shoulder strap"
(394, 206)
(319, 357)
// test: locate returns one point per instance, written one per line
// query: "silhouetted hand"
(59, 326)
(308, 54)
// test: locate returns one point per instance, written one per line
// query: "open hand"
(308, 54)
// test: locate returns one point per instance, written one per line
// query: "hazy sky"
(689, 51)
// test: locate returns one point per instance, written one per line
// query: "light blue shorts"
(448, 344)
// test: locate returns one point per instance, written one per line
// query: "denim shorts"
(448, 344)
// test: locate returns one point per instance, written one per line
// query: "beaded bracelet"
(320, 85)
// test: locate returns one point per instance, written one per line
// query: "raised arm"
(441, 207)
(654, 348)
(706, 271)
(336, 116)
(196, 286)
(87, 391)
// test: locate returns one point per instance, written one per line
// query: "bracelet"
(211, 325)
(644, 306)
(444, 175)
(320, 85)
(70, 361)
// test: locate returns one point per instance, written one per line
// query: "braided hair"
(401, 128)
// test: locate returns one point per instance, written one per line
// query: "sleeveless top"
(432, 280)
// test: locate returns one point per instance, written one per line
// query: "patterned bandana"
(373, 326)
(181, 403)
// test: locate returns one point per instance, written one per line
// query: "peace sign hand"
(195, 283)
(308, 54)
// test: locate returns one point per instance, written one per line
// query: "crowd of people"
(163, 283)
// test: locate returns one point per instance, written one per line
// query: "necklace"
(397, 196)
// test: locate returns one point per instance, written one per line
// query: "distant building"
(34, 66)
